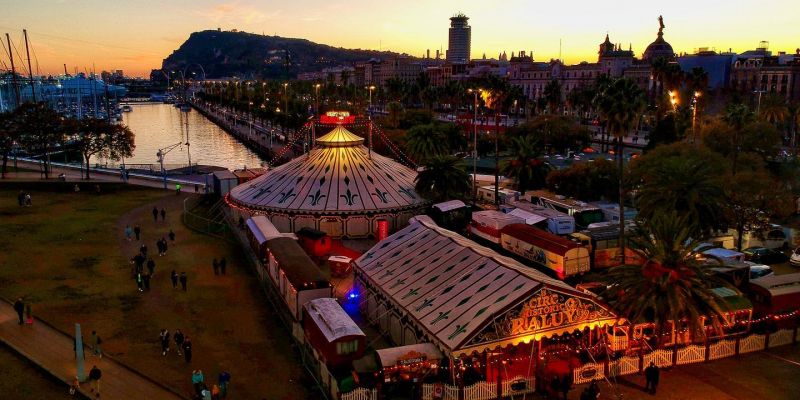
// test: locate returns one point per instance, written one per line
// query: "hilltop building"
(459, 40)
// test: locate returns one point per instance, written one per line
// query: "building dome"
(660, 47)
(338, 187)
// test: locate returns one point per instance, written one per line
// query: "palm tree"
(685, 179)
(497, 90)
(526, 166)
(737, 116)
(620, 105)
(443, 178)
(552, 92)
(424, 142)
(395, 110)
(396, 89)
(672, 286)
(774, 109)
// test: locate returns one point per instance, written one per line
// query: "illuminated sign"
(549, 311)
(337, 117)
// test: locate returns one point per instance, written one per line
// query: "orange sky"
(135, 35)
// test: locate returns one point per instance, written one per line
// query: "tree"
(552, 92)
(556, 133)
(586, 181)
(620, 105)
(9, 134)
(97, 137)
(424, 142)
(443, 178)
(684, 179)
(395, 110)
(40, 130)
(774, 109)
(526, 165)
(497, 97)
(752, 197)
(396, 89)
(672, 286)
(741, 134)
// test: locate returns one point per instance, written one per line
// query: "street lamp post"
(285, 106)
(474, 144)
(316, 99)
(695, 102)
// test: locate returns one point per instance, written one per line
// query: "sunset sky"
(135, 35)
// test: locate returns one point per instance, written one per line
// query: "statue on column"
(661, 25)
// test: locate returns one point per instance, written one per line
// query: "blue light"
(352, 295)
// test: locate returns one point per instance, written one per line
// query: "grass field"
(68, 256)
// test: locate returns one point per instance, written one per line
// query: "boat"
(127, 108)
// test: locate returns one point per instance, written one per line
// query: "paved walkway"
(52, 350)
(73, 175)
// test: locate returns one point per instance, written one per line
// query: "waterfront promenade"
(51, 350)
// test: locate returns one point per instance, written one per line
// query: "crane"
(163, 152)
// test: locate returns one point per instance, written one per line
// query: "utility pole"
(30, 71)
(13, 70)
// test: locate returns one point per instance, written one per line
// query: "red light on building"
(383, 229)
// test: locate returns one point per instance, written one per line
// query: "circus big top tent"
(339, 187)
(427, 284)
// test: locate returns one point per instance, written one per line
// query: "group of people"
(219, 391)
(219, 266)
(183, 344)
(140, 260)
(24, 199)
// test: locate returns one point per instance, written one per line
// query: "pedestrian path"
(52, 350)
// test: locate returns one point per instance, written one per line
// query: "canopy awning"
(411, 354)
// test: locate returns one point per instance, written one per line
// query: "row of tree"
(37, 130)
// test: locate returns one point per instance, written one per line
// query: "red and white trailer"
(562, 256)
(487, 224)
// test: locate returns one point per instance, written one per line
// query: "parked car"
(795, 258)
(764, 255)
(759, 270)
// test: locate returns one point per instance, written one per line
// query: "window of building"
(350, 347)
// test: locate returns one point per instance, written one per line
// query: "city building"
(716, 65)
(758, 72)
(459, 40)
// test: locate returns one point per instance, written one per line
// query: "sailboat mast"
(13, 69)
(30, 70)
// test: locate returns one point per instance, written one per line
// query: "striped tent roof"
(452, 287)
(339, 176)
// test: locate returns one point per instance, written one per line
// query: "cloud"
(236, 13)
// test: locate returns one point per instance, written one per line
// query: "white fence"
(361, 394)
(780, 338)
(721, 349)
(587, 373)
(625, 365)
(481, 391)
(519, 385)
(752, 343)
(661, 357)
(691, 354)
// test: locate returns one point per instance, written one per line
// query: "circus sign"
(549, 311)
(337, 117)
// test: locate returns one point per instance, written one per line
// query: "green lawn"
(67, 254)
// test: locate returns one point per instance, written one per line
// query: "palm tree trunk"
(496, 159)
(86, 157)
(620, 169)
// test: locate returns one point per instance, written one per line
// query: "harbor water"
(160, 126)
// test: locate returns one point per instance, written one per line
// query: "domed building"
(339, 187)
(659, 48)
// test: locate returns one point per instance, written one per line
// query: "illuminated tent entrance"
(493, 317)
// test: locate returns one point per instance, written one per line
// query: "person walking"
(28, 200)
(94, 375)
(97, 341)
(215, 264)
(139, 282)
(155, 214)
(177, 189)
(163, 246)
(183, 281)
(93, 342)
(21, 198)
(222, 264)
(164, 335)
(555, 386)
(160, 248)
(651, 375)
(128, 232)
(143, 250)
(146, 280)
(163, 214)
(224, 380)
(187, 349)
(198, 381)
(19, 307)
(178, 337)
(137, 231)
(566, 385)
(174, 278)
(171, 236)
(151, 266)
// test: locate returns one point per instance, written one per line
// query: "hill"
(248, 55)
